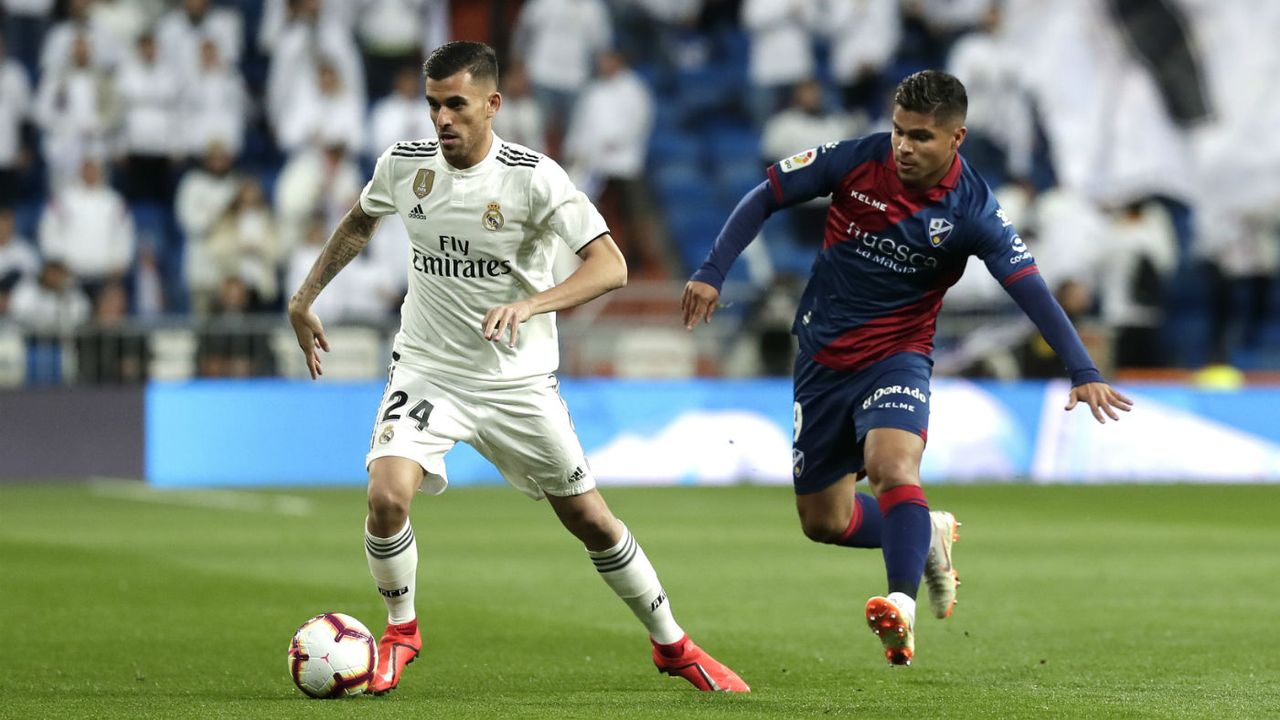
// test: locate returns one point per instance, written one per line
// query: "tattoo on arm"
(346, 242)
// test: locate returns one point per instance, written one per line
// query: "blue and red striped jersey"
(889, 252)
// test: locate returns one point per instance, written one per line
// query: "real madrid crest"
(388, 432)
(423, 181)
(493, 219)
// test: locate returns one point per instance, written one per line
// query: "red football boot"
(400, 644)
(685, 659)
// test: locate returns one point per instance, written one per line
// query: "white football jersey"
(478, 238)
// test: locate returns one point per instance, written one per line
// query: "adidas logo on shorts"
(416, 213)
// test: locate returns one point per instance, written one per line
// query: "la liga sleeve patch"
(795, 162)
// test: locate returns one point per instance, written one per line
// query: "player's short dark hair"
(458, 56)
(935, 93)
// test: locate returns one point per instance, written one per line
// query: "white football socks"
(393, 563)
(627, 570)
(905, 603)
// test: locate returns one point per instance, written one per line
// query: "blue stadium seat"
(734, 179)
(693, 227)
(26, 219)
(676, 183)
(669, 144)
(732, 143)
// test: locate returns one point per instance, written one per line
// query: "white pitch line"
(235, 500)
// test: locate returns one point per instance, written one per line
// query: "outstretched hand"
(1101, 398)
(306, 325)
(699, 302)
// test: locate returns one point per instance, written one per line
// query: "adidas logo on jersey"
(416, 213)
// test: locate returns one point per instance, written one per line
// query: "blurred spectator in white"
(126, 20)
(604, 151)
(389, 253)
(362, 291)
(57, 52)
(863, 36)
(390, 35)
(182, 30)
(329, 108)
(404, 114)
(1001, 127)
(15, 109)
(1070, 237)
(76, 108)
(948, 18)
(214, 105)
(149, 93)
(50, 302)
(305, 42)
(781, 51)
(1141, 258)
(805, 123)
(87, 226)
(204, 194)
(17, 258)
(1110, 134)
(320, 179)
(557, 41)
(26, 22)
(521, 120)
(244, 242)
(276, 15)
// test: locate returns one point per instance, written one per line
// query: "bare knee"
(823, 525)
(891, 474)
(388, 510)
(392, 483)
(589, 519)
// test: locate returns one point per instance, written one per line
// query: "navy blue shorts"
(834, 410)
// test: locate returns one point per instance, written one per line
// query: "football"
(332, 655)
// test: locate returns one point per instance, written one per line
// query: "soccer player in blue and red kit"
(906, 213)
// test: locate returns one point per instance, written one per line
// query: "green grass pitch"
(117, 601)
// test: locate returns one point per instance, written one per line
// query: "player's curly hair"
(935, 93)
(458, 56)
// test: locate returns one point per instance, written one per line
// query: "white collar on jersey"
(489, 156)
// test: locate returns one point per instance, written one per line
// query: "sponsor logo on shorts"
(894, 390)
(577, 476)
(385, 436)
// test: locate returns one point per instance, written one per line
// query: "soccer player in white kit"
(475, 357)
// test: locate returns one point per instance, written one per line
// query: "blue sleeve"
(739, 230)
(817, 172)
(1033, 296)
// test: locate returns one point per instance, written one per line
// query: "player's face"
(923, 148)
(462, 110)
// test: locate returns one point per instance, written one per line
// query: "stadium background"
(176, 497)
(169, 170)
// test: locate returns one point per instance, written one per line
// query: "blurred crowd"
(188, 158)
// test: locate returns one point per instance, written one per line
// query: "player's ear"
(957, 138)
(492, 104)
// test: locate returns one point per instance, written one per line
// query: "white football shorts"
(525, 431)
